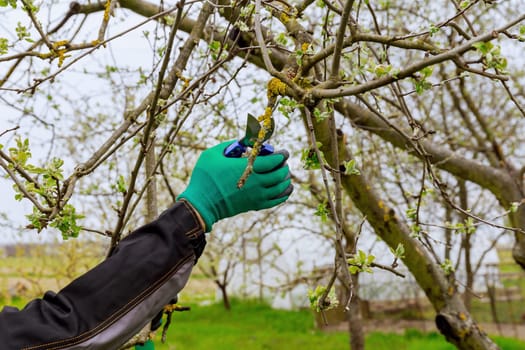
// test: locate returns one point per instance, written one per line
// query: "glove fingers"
(279, 190)
(271, 162)
(273, 178)
(281, 198)
(286, 193)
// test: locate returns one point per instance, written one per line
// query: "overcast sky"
(127, 51)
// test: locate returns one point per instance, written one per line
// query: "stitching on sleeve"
(115, 316)
(194, 232)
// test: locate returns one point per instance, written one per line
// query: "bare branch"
(22, 188)
(29, 9)
(339, 40)
(260, 39)
(319, 92)
(108, 10)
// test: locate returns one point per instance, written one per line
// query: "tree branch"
(320, 92)
(339, 40)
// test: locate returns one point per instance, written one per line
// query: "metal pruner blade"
(238, 148)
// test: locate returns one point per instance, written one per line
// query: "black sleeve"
(106, 306)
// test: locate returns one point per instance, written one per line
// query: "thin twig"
(439, 25)
(340, 39)
(9, 130)
(388, 268)
(260, 39)
(108, 10)
(23, 189)
(339, 245)
(36, 23)
(320, 92)
(179, 65)
(64, 67)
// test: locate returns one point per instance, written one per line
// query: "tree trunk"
(355, 319)
(354, 316)
(452, 318)
(224, 293)
(504, 183)
(518, 220)
(448, 232)
(467, 247)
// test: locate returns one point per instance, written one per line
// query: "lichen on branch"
(275, 88)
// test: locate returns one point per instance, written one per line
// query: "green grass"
(247, 326)
(258, 327)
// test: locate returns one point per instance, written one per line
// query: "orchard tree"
(410, 112)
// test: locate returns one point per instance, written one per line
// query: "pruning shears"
(238, 148)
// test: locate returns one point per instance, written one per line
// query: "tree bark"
(355, 319)
(504, 183)
(225, 297)
(452, 318)
(467, 247)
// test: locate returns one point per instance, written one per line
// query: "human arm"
(110, 303)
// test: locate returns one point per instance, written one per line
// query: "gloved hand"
(213, 188)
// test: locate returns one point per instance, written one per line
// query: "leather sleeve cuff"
(196, 235)
(198, 227)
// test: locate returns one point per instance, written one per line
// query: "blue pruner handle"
(266, 149)
(236, 149)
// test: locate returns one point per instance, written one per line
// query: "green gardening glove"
(147, 346)
(213, 188)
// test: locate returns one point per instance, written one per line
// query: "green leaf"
(299, 57)
(354, 269)
(21, 31)
(464, 4)
(287, 106)
(21, 153)
(351, 168)
(309, 159)
(421, 86)
(321, 115)
(483, 47)
(361, 262)
(399, 252)
(362, 255)
(322, 211)
(282, 39)
(66, 222)
(433, 30)
(168, 20)
(469, 226)
(514, 207)
(121, 184)
(382, 69)
(37, 219)
(447, 267)
(427, 71)
(4, 3)
(243, 27)
(330, 300)
(215, 45)
(411, 213)
(4, 46)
